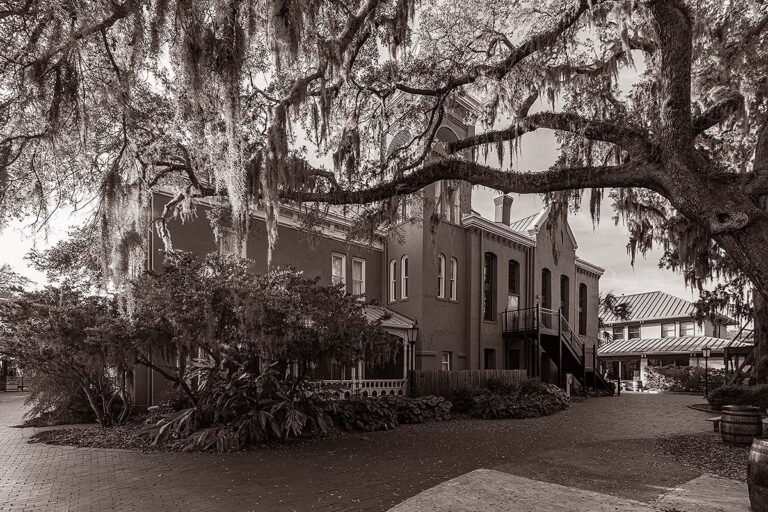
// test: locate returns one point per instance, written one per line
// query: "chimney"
(503, 205)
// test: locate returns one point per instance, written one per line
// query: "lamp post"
(706, 351)
(412, 334)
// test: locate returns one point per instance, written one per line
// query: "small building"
(661, 331)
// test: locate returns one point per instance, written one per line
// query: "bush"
(682, 378)
(537, 401)
(739, 395)
(371, 414)
(56, 401)
(362, 414)
(529, 398)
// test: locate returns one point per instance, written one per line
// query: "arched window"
(565, 296)
(489, 281)
(546, 288)
(446, 135)
(402, 138)
(441, 276)
(392, 281)
(583, 309)
(454, 276)
(404, 277)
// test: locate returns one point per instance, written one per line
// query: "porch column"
(406, 357)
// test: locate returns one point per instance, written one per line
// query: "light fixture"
(412, 333)
(706, 351)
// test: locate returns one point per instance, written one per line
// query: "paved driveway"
(582, 447)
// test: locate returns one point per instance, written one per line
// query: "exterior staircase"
(551, 332)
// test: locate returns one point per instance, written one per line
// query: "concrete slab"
(495, 491)
(707, 493)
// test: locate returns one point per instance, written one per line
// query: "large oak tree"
(243, 100)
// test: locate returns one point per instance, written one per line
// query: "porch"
(376, 381)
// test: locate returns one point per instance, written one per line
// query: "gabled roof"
(671, 345)
(395, 321)
(650, 305)
(530, 225)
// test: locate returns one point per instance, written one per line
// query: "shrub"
(520, 406)
(362, 414)
(463, 398)
(371, 414)
(682, 378)
(739, 395)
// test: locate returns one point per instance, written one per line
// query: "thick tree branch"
(718, 112)
(674, 28)
(626, 175)
(632, 140)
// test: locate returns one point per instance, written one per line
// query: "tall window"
(392, 281)
(618, 333)
(454, 277)
(686, 329)
(565, 296)
(489, 278)
(456, 206)
(668, 330)
(513, 285)
(634, 332)
(441, 276)
(583, 309)
(338, 268)
(445, 362)
(404, 277)
(358, 276)
(546, 288)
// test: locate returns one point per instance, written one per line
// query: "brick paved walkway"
(359, 472)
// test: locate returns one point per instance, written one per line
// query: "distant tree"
(75, 339)
(217, 99)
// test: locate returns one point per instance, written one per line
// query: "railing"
(549, 319)
(517, 320)
(438, 382)
(368, 387)
(571, 339)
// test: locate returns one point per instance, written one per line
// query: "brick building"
(463, 293)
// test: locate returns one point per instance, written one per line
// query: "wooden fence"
(439, 382)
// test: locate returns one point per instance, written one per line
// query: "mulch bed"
(95, 437)
(707, 452)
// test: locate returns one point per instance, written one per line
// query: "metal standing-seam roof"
(650, 305)
(670, 345)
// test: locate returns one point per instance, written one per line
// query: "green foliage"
(739, 395)
(363, 414)
(54, 400)
(64, 336)
(682, 378)
(529, 398)
(532, 403)
(204, 307)
(385, 413)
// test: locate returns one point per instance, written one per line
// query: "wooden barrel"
(757, 475)
(637, 385)
(740, 424)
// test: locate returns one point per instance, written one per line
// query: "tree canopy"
(245, 101)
